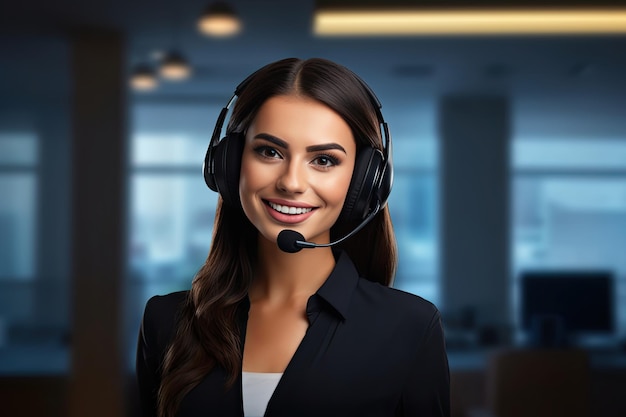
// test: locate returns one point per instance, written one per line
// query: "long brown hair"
(207, 335)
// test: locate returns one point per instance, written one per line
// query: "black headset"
(371, 181)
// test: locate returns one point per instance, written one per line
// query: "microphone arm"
(309, 245)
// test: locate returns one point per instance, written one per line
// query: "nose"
(293, 178)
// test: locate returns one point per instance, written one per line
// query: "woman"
(279, 331)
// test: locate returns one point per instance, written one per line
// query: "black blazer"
(369, 351)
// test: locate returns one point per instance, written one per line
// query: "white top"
(257, 389)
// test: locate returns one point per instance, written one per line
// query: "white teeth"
(289, 210)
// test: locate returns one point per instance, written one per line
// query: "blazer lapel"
(284, 400)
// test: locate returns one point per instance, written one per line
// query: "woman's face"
(296, 168)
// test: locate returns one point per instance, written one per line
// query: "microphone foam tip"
(287, 241)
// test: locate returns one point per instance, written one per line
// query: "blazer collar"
(335, 294)
(337, 290)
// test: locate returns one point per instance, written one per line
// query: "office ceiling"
(581, 76)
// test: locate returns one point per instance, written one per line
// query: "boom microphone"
(291, 241)
(288, 241)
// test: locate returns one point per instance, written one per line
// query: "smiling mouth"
(289, 209)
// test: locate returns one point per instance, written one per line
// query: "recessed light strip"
(469, 22)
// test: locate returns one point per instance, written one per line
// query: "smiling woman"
(276, 332)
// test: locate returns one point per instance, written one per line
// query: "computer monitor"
(580, 302)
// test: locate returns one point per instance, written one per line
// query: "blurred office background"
(510, 184)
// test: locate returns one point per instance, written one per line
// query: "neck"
(285, 277)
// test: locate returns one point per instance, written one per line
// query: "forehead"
(301, 120)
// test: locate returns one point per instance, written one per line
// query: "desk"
(608, 381)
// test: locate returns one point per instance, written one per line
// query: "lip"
(288, 203)
(288, 218)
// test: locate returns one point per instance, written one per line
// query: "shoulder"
(161, 315)
(164, 305)
(398, 305)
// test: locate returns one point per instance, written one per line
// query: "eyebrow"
(313, 148)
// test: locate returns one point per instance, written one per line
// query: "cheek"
(251, 175)
(336, 190)
(247, 182)
(341, 190)
(244, 176)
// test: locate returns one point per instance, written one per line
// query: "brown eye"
(267, 152)
(326, 161)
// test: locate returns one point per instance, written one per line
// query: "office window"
(18, 188)
(33, 326)
(35, 205)
(171, 227)
(413, 206)
(569, 200)
(171, 209)
(18, 227)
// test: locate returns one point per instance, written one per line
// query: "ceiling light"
(469, 22)
(143, 78)
(174, 67)
(219, 19)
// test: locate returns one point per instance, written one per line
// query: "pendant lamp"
(174, 67)
(219, 19)
(143, 78)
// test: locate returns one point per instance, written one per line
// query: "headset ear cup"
(208, 177)
(363, 186)
(385, 184)
(227, 166)
(207, 168)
